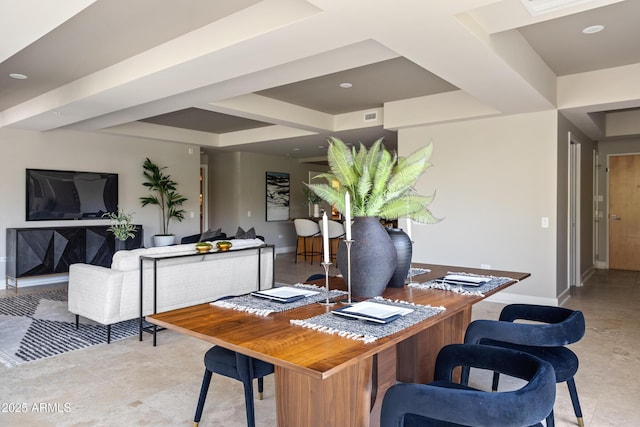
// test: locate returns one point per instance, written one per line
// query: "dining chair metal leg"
(260, 387)
(573, 392)
(248, 397)
(550, 421)
(204, 389)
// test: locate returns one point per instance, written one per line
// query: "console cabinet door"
(41, 251)
(34, 252)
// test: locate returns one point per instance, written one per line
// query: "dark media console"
(50, 250)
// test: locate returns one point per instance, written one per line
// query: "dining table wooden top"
(274, 339)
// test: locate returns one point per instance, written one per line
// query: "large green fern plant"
(379, 183)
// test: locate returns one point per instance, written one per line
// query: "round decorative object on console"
(224, 246)
(203, 247)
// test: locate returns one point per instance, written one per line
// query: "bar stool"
(305, 228)
(336, 232)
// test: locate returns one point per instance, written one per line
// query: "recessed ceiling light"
(18, 76)
(321, 146)
(295, 149)
(593, 29)
(345, 85)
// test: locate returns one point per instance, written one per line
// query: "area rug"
(39, 325)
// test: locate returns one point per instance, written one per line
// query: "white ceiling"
(264, 75)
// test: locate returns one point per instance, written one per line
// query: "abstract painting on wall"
(277, 196)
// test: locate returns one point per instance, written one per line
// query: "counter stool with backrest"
(554, 328)
(306, 229)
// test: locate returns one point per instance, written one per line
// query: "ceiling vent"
(371, 116)
(537, 7)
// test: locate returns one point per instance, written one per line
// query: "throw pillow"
(210, 235)
(249, 234)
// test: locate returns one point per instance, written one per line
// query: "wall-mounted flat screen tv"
(62, 195)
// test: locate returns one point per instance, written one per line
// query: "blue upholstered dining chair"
(554, 328)
(315, 276)
(237, 366)
(444, 402)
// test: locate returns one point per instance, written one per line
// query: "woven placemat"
(365, 331)
(465, 290)
(414, 271)
(264, 307)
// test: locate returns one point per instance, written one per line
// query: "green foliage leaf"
(379, 182)
(166, 197)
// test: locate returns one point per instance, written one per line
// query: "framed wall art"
(277, 196)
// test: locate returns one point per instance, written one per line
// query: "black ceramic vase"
(404, 251)
(373, 258)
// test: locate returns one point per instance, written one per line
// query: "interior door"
(624, 212)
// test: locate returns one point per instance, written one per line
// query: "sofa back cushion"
(130, 260)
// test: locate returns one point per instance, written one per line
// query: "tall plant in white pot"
(165, 196)
(381, 185)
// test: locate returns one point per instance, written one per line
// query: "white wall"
(495, 179)
(83, 151)
(237, 188)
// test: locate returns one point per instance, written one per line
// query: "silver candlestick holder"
(348, 243)
(326, 302)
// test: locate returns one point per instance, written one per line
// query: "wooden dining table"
(328, 380)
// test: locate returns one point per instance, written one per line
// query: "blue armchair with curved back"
(444, 402)
(545, 335)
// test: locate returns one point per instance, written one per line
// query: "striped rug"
(39, 325)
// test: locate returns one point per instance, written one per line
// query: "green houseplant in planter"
(165, 196)
(121, 227)
(381, 186)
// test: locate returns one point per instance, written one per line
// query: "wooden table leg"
(417, 355)
(385, 366)
(341, 400)
(353, 397)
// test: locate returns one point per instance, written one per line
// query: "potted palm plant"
(381, 186)
(121, 227)
(165, 196)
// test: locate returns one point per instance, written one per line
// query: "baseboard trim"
(285, 249)
(38, 281)
(507, 298)
(602, 265)
(585, 276)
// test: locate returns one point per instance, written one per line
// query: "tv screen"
(60, 195)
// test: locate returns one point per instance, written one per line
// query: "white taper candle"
(325, 237)
(347, 213)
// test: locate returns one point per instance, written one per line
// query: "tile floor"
(129, 383)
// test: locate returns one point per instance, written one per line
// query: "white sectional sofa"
(111, 295)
